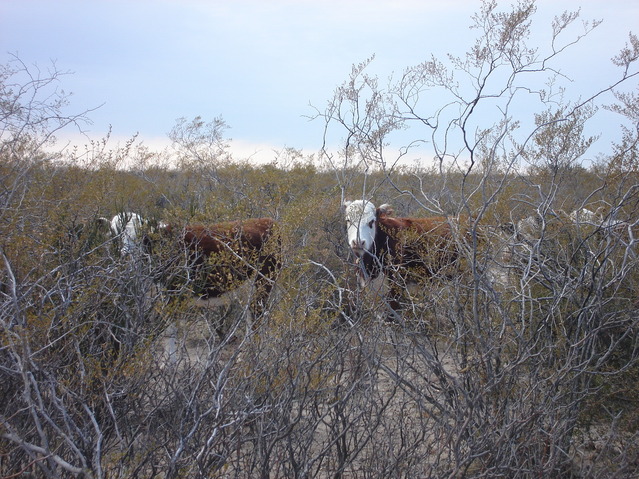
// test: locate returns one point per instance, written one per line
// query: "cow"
(126, 228)
(531, 228)
(554, 245)
(586, 216)
(405, 250)
(220, 257)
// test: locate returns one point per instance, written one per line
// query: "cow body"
(406, 250)
(220, 257)
(554, 245)
(585, 216)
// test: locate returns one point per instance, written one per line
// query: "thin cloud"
(257, 64)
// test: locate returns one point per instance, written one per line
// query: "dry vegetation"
(524, 365)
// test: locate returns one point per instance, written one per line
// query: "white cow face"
(126, 227)
(361, 225)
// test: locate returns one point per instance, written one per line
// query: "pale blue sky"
(258, 64)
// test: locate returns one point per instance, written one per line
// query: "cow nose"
(357, 244)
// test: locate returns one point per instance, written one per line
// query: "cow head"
(125, 227)
(361, 218)
(361, 225)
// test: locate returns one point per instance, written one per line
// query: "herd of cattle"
(403, 249)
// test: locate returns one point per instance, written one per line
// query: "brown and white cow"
(220, 257)
(406, 250)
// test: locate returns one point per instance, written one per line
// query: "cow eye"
(371, 223)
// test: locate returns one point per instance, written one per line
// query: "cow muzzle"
(358, 251)
(358, 246)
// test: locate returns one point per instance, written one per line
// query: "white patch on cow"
(126, 228)
(585, 216)
(361, 219)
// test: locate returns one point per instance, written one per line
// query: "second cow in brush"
(218, 258)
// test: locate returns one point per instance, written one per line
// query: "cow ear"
(346, 203)
(102, 223)
(385, 209)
